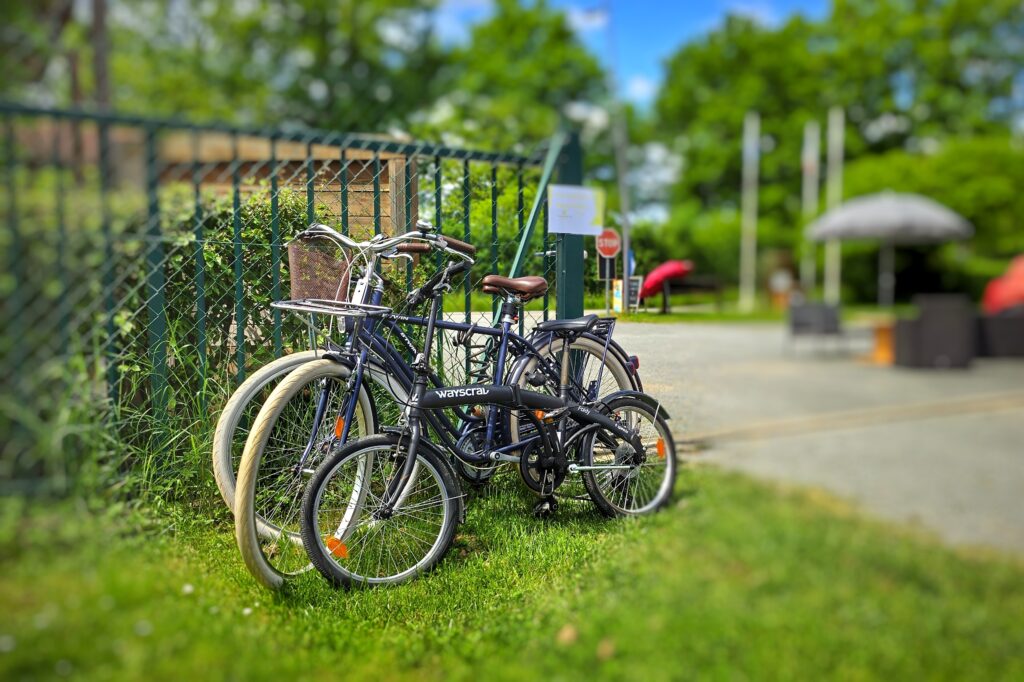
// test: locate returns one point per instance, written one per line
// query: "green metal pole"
(466, 237)
(376, 194)
(14, 309)
(438, 198)
(545, 259)
(521, 228)
(236, 216)
(550, 163)
(200, 263)
(569, 247)
(109, 306)
(275, 247)
(156, 295)
(64, 300)
(343, 183)
(310, 191)
(408, 218)
(494, 228)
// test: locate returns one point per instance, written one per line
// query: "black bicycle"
(385, 508)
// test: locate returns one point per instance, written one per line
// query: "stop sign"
(608, 243)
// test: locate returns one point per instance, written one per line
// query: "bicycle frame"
(423, 402)
(364, 343)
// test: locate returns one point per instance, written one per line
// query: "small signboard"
(634, 293)
(635, 283)
(606, 268)
(575, 210)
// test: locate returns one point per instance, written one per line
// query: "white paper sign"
(575, 210)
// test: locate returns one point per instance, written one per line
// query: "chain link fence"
(142, 257)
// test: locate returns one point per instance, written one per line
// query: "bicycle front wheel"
(353, 540)
(297, 427)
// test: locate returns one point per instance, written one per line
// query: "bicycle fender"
(645, 398)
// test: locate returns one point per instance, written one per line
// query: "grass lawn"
(735, 580)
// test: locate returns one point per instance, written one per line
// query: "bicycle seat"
(524, 288)
(576, 325)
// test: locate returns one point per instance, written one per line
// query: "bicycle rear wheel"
(636, 481)
(594, 373)
(272, 475)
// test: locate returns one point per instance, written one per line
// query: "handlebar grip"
(460, 246)
(413, 247)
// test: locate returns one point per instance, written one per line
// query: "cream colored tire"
(226, 450)
(271, 545)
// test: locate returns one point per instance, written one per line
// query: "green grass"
(735, 580)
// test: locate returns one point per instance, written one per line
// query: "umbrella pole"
(886, 276)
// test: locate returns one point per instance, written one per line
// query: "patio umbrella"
(893, 219)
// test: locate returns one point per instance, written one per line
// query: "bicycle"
(385, 508)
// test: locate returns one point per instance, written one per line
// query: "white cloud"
(640, 89)
(761, 11)
(586, 20)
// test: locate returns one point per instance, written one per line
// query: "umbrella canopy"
(673, 269)
(1006, 291)
(893, 218)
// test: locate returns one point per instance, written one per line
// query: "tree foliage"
(912, 77)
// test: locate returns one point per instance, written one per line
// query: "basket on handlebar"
(319, 269)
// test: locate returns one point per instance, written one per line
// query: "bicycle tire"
(252, 529)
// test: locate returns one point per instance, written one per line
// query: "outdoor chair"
(942, 335)
(1001, 335)
(814, 319)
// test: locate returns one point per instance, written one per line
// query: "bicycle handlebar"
(459, 245)
(379, 244)
(428, 289)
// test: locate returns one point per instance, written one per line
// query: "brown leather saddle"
(523, 288)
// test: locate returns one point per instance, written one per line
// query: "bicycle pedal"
(545, 508)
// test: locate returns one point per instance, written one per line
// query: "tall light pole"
(833, 197)
(620, 145)
(811, 172)
(748, 235)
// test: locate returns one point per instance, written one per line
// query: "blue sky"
(645, 32)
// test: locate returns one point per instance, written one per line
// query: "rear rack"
(322, 306)
(603, 327)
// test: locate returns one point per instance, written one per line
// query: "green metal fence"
(142, 256)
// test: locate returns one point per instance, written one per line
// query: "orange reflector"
(539, 414)
(339, 426)
(661, 448)
(336, 547)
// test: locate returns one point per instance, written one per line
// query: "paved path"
(940, 448)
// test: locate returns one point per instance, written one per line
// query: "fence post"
(199, 256)
(275, 247)
(569, 247)
(108, 279)
(236, 223)
(155, 282)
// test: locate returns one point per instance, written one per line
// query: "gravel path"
(944, 449)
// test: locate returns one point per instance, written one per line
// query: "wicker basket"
(319, 269)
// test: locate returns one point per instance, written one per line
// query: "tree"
(510, 83)
(338, 64)
(908, 74)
